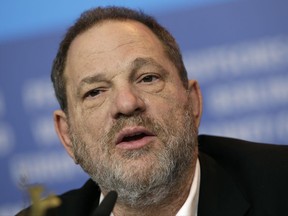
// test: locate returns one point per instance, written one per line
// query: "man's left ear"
(196, 100)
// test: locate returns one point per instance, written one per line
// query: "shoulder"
(245, 156)
(205, 140)
(224, 148)
(259, 170)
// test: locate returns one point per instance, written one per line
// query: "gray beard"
(138, 187)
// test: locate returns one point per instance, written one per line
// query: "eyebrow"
(140, 62)
(90, 80)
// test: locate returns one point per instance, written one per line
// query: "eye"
(93, 93)
(149, 78)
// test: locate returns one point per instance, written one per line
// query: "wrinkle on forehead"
(113, 49)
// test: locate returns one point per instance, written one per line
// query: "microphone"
(106, 206)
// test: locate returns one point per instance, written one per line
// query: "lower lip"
(137, 144)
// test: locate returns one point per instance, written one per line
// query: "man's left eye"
(149, 78)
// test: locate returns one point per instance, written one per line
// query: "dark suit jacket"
(237, 178)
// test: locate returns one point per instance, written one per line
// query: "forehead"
(110, 47)
(110, 36)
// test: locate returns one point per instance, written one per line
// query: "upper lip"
(132, 131)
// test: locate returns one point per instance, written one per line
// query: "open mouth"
(134, 137)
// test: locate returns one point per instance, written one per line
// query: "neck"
(170, 205)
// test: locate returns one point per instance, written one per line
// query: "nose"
(127, 102)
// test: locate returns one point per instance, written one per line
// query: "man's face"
(131, 124)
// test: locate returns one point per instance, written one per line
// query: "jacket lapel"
(219, 194)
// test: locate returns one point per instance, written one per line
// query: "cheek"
(90, 119)
(168, 113)
(87, 129)
(168, 102)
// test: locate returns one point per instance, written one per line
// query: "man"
(130, 117)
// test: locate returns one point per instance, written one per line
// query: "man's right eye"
(92, 93)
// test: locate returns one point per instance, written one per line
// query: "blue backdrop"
(238, 50)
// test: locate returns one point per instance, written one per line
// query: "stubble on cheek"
(87, 145)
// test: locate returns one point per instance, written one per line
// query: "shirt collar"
(190, 206)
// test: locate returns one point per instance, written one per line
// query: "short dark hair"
(97, 15)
